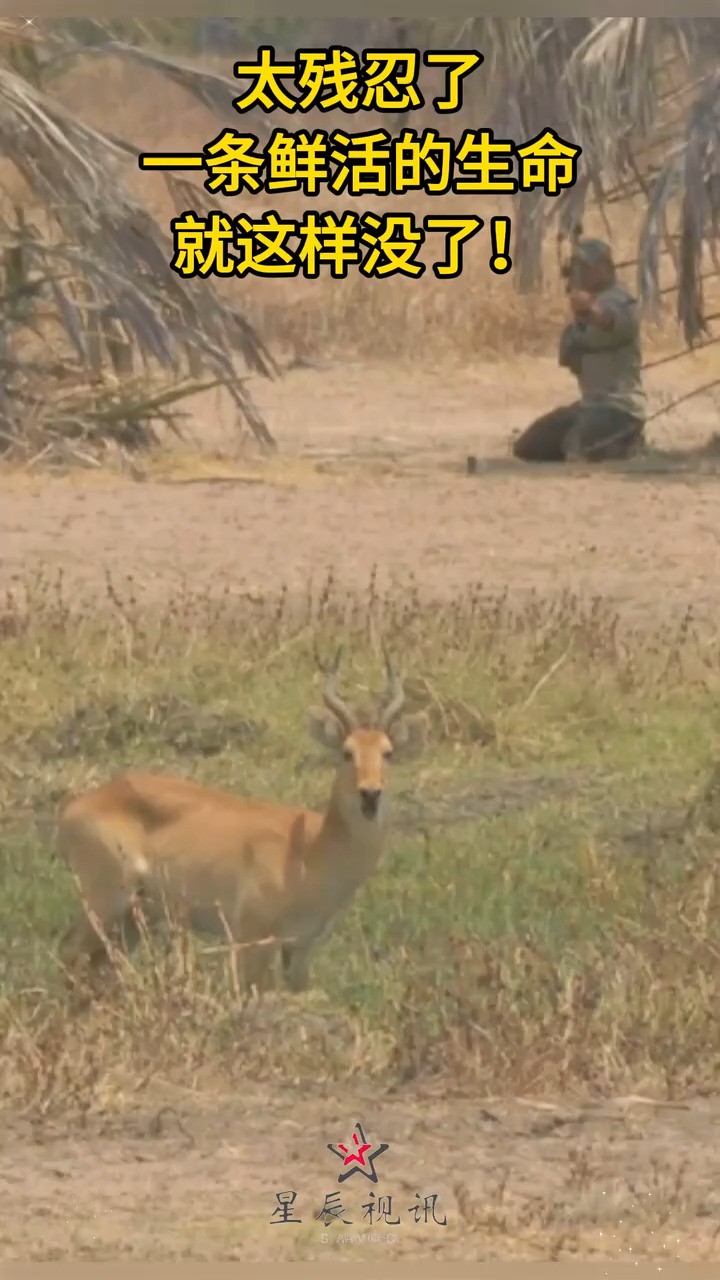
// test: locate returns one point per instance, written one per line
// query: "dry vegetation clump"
(99, 341)
(548, 916)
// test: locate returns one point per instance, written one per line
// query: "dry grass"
(548, 918)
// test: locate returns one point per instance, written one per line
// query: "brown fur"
(248, 868)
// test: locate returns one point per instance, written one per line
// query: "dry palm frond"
(616, 85)
(105, 253)
(691, 176)
(214, 91)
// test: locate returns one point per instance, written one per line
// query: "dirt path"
(633, 540)
(372, 473)
(613, 1181)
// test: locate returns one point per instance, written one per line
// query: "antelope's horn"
(332, 699)
(395, 694)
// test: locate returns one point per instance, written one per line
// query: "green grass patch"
(548, 915)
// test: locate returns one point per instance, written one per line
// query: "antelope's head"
(363, 752)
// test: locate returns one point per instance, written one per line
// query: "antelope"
(268, 876)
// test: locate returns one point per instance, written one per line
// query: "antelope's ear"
(325, 729)
(409, 735)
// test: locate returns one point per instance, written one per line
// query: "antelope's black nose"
(369, 802)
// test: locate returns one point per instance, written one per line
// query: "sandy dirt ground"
(614, 1181)
(371, 472)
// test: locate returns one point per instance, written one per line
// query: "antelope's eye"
(347, 753)
(388, 754)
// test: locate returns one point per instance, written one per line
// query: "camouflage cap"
(592, 253)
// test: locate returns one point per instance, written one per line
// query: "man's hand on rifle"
(584, 307)
(580, 302)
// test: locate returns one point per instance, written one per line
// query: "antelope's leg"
(83, 947)
(257, 963)
(296, 967)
